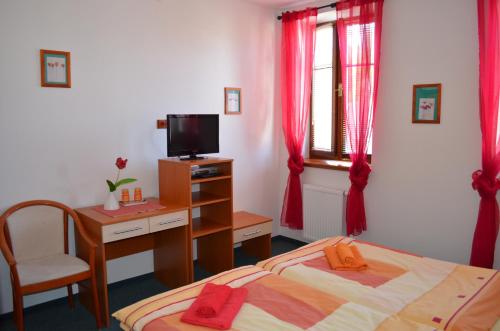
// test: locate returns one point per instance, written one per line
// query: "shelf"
(208, 179)
(203, 227)
(201, 198)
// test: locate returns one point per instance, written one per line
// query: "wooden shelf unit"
(203, 227)
(200, 198)
(209, 179)
(212, 199)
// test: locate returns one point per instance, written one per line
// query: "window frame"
(338, 118)
(337, 102)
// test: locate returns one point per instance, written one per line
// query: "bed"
(273, 303)
(442, 295)
(298, 291)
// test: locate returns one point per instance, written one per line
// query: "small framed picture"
(55, 68)
(427, 103)
(232, 101)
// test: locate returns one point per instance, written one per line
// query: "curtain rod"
(332, 5)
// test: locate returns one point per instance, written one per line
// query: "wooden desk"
(166, 231)
(254, 233)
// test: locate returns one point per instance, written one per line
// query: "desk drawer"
(252, 232)
(168, 221)
(125, 230)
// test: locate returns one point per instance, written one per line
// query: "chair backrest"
(36, 229)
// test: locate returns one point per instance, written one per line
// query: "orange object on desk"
(125, 195)
(137, 194)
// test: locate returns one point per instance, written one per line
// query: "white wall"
(419, 196)
(132, 63)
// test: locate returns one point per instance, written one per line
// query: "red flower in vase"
(121, 163)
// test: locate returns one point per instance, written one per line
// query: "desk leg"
(215, 251)
(84, 288)
(171, 257)
(259, 247)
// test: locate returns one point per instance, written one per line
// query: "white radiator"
(323, 212)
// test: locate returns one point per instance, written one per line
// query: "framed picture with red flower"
(55, 68)
(426, 103)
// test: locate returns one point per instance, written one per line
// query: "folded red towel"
(211, 299)
(224, 319)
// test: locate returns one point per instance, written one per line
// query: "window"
(328, 136)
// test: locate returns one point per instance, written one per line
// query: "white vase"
(111, 203)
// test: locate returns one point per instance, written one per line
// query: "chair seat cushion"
(49, 267)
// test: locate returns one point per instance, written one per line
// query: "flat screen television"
(192, 134)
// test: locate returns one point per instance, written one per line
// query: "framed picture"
(232, 101)
(55, 68)
(427, 103)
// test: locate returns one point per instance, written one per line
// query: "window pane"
(324, 46)
(322, 106)
(354, 71)
(322, 109)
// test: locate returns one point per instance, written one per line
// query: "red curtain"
(359, 26)
(485, 180)
(297, 55)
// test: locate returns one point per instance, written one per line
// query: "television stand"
(192, 157)
(210, 205)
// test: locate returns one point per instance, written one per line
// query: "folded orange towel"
(345, 254)
(332, 257)
(357, 262)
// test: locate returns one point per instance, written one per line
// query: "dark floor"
(57, 316)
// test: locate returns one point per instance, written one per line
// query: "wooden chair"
(35, 245)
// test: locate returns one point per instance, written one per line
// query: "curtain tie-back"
(296, 165)
(358, 174)
(486, 187)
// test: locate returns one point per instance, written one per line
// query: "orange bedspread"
(442, 295)
(273, 303)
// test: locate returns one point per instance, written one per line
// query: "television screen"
(192, 134)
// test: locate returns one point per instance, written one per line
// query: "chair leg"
(95, 299)
(18, 310)
(70, 296)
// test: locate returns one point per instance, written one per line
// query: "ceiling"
(277, 3)
(290, 4)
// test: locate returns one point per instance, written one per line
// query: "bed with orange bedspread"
(442, 295)
(299, 291)
(273, 303)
